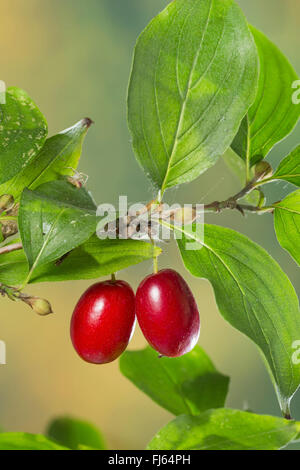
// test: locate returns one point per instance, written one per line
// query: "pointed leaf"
(273, 115)
(59, 155)
(226, 429)
(188, 384)
(253, 294)
(194, 76)
(23, 130)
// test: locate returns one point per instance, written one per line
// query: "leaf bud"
(263, 170)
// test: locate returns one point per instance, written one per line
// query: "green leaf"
(96, 258)
(194, 76)
(289, 168)
(54, 219)
(23, 130)
(188, 384)
(75, 434)
(226, 429)
(91, 260)
(287, 224)
(59, 154)
(13, 268)
(273, 114)
(24, 441)
(253, 294)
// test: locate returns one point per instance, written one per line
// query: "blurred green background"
(74, 58)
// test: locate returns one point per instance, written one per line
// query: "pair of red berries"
(104, 318)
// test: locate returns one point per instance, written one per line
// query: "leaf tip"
(87, 122)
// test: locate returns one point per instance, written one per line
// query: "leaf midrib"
(64, 149)
(46, 239)
(185, 97)
(287, 209)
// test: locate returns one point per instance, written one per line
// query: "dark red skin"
(167, 313)
(103, 321)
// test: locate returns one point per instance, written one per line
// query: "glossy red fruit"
(167, 313)
(103, 321)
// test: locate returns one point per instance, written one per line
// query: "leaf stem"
(248, 152)
(232, 202)
(155, 265)
(265, 181)
(155, 258)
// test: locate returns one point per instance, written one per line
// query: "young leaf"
(91, 260)
(75, 434)
(23, 441)
(287, 224)
(273, 114)
(23, 130)
(253, 294)
(188, 384)
(226, 429)
(59, 155)
(194, 76)
(54, 219)
(289, 168)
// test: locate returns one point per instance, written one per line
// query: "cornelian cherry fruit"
(167, 313)
(103, 321)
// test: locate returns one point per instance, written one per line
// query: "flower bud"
(263, 170)
(40, 306)
(6, 202)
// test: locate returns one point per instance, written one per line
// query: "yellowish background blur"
(74, 58)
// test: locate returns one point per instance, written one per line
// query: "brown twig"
(232, 202)
(10, 248)
(131, 224)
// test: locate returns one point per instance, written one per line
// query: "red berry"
(167, 313)
(103, 321)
